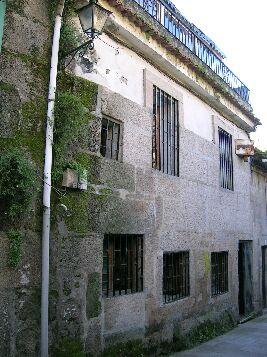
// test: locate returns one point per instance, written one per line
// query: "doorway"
(264, 275)
(245, 277)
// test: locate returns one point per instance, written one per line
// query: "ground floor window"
(219, 273)
(110, 139)
(175, 275)
(122, 264)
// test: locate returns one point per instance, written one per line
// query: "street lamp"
(93, 18)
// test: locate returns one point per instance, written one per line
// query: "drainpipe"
(47, 178)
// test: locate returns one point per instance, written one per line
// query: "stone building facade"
(159, 243)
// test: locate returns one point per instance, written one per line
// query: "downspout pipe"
(47, 178)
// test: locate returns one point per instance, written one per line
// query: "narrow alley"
(248, 339)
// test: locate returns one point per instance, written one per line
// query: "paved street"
(248, 339)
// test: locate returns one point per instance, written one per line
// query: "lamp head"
(93, 18)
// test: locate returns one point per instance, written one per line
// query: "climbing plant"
(17, 183)
(71, 118)
(15, 241)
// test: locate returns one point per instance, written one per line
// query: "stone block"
(93, 305)
(33, 39)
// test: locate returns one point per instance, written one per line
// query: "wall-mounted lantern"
(93, 18)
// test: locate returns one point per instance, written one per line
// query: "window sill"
(125, 296)
(167, 303)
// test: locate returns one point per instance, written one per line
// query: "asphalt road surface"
(247, 340)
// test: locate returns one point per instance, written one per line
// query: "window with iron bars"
(176, 281)
(226, 160)
(219, 273)
(122, 264)
(165, 143)
(110, 139)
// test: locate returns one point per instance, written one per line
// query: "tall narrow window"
(165, 143)
(110, 139)
(2, 17)
(219, 273)
(175, 276)
(226, 160)
(122, 264)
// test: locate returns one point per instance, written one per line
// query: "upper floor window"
(219, 273)
(226, 160)
(165, 143)
(110, 139)
(2, 17)
(122, 264)
(175, 276)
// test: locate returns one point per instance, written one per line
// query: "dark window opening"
(176, 273)
(219, 273)
(110, 139)
(122, 264)
(165, 143)
(226, 160)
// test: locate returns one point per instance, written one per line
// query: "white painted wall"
(121, 70)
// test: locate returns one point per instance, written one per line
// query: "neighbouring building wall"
(259, 226)
(24, 71)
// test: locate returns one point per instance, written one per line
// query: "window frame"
(183, 291)
(219, 286)
(165, 132)
(119, 124)
(226, 159)
(114, 282)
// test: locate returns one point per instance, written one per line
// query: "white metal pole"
(47, 179)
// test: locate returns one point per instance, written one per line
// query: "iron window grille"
(176, 282)
(110, 139)
(165, 143)
(226, 160)
(122, 265)
(219, 273)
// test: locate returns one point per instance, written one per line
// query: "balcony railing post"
(184, 34)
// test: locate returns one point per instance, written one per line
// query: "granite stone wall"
(24, 71)
(189, 212)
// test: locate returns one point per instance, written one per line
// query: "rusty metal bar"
(219, 273)
(122, 264)
(226, 160)
(165, 133)
(175, 276)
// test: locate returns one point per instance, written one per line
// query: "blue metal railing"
(165, 14)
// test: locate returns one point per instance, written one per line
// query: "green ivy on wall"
(70, 121)
(15, 241)
(17, 183)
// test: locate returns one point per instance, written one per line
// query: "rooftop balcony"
(195, 40)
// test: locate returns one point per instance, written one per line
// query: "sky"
(238, 27)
